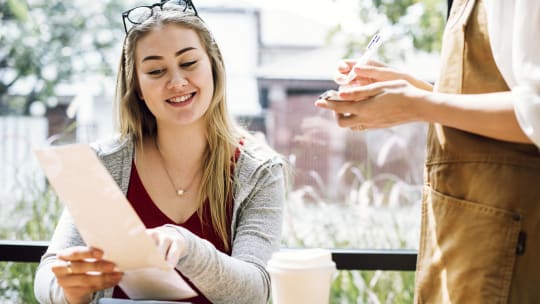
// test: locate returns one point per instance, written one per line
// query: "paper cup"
(301, 276)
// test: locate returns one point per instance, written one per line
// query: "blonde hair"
(137, 122)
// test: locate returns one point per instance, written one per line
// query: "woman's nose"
(177, 81)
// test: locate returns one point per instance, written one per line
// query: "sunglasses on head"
(139, 14)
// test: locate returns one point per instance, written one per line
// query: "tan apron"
(480, 240)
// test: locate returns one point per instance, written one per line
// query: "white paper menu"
(106, 220)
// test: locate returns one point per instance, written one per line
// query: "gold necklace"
(179, 191)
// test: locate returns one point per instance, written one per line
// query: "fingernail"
(97, 253)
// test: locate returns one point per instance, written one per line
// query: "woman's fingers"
(345, 65)
(343, 69)
(161, 241)
(378, 73)
(164, 245)
(173, 254)
(82, 266)
(79, 253)
(373, 106)
(170, 243)
(77, 262)
(340, 107)
(62, 268)
(351, 95)
(345, 112)
(369, 72)
(80, 271)
(90, 281)
(350, 120)
(347, 120)
(370, 90)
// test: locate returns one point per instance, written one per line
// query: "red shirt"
(152, 217)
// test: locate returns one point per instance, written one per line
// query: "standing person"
(210, 195)
(481, 201)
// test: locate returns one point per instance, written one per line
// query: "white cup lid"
(301, 258)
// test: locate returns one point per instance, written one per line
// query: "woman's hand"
(377, 105)
(374, 71)
(378, 97)
(81, 271)
(171, 243)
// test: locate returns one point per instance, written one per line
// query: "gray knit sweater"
(255, 231)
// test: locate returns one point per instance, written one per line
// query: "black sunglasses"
(139, 14)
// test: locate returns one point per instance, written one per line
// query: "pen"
(371, 49)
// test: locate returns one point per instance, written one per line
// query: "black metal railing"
(345, 259)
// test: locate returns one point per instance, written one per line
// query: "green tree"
(423, 20)
(409, 25)
(44, 43)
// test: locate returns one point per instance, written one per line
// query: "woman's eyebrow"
(178, 53)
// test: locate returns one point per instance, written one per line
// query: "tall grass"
(379, 212)
(29, 212)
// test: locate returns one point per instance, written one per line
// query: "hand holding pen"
(371, 50)
(378, 97)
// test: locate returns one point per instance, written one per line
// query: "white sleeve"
(526, 67)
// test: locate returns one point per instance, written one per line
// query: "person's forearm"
(490, 115)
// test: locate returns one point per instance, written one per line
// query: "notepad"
(106, 220)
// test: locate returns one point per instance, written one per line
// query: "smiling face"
(174, 75)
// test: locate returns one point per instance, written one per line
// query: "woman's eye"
(155, 72)
(188, 64)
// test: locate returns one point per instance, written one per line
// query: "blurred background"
(58, 61)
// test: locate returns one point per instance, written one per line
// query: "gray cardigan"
(255, 231)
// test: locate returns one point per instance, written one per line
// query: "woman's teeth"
(180, 98)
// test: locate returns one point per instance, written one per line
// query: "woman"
(480, 210)
(210, 195)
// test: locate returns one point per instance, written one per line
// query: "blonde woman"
(209, 193)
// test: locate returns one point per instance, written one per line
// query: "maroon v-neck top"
(153, 217)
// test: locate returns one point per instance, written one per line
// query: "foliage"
(407, 26)
(372, 287)
(17, 284)
(380, 212)
(423, 20)
(378, 209)
(33, 212)
(45, 43)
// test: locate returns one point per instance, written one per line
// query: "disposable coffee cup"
(301, 276)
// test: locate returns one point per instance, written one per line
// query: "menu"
(106, 220)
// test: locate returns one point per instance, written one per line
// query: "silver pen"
(371, 49)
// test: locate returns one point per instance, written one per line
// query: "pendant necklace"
(179, 191)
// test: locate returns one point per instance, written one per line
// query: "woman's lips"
(181, 99)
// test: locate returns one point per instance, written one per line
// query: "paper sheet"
(106, 220)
